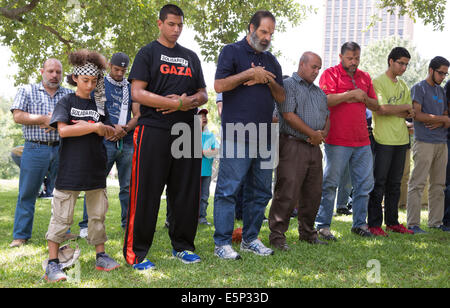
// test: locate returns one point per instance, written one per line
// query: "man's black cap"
(120, 59)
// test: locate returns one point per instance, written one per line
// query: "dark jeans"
(446, 220)
(388, 171)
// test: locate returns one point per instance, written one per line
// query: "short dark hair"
(437, 62)
(352, 46)
(256, 18)
(170, 9)
(397, 53)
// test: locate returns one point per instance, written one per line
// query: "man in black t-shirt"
(167, 81)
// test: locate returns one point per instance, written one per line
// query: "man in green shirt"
(391, 142)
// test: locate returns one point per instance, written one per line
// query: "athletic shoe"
(399, 229)
(417, 230)
(186, 256)
(326, 234)
(343, 211)
(83, 232)
(54, 273)
(226, 252)
(144, 265)
(204, 221)
(364, 232)
(442, 227)
(257, 247)
(106, 263)
(377, 231)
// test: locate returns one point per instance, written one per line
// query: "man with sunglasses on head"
(430, 151)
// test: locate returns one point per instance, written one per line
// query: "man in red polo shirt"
(349, 92)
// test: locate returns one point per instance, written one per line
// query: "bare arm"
(252, 76)
(81, 128)
(349, 97)
(277, 91)
(430, 118)
(25, 118)
(372, 103)
(149, 99)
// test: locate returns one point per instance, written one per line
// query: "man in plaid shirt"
(32, 107)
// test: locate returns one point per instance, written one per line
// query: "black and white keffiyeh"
(90, 69)
(125, 98)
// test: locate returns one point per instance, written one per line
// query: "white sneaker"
(257, 247)
(84, 232)
(226, 252)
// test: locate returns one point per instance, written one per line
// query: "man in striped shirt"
(304, 125)
(32, 107)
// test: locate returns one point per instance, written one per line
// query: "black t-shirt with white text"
(82, 159)
(167, 71)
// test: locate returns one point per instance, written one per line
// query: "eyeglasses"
(402, 63)
(441, 73)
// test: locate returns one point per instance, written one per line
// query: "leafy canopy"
(37, 29)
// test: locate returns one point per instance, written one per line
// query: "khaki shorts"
(63, 205)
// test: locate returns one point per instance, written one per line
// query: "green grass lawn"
(404, 260)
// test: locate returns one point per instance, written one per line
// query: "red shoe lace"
(377, 231)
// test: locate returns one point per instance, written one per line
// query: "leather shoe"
(17, 243)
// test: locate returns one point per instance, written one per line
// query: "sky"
(292, 43)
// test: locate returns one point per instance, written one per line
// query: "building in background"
(348, 20)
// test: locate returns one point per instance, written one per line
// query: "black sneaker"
(362, 232)
(343, 211)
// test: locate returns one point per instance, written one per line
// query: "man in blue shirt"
(430, 151)
(119, 148)
(250, 79)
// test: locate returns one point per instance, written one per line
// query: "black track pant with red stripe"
(153, 168)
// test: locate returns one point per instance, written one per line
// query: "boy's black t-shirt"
(167, 71)
(82, 159)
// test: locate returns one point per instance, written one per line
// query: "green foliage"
(430, 11)
(374, 59)
(10, 136)
(36, 30)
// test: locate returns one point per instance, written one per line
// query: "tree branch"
(57, 34)
(16, 14)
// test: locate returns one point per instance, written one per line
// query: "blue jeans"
(123, 159)
(360, 162)
(344, 190)
(37, 160)
(256, 195)
(204, 195)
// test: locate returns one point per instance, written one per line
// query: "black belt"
(48, 143)
(294, 138)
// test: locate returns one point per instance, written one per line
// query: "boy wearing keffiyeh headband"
(82, 124)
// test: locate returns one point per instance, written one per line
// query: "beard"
(50, 84)
(257, 44)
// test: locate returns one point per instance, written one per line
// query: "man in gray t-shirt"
(430, 151)
(433, 101)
